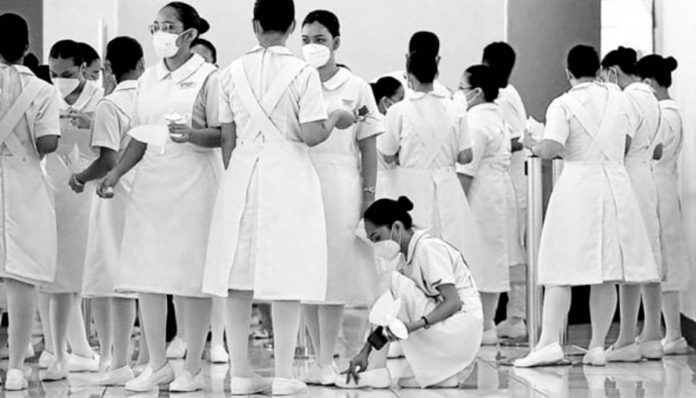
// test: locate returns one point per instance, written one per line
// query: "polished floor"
(671, 377)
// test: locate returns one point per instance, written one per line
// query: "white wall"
(374, 33)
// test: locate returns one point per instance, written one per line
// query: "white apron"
(168, 214)
(285, 256)
(28, 223)
(593, 231)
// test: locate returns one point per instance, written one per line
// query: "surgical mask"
(316, 54)
(388, 250)
(164, 44)
(66, 85)
(459, 98)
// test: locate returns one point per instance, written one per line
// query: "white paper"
(535, 128)
(384, 313)
(151, 134)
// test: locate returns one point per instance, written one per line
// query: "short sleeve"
(480, 141)
(464, 136)
(388, 143)
(47, 120)
(372, 125)
(206, 107)
(633, 114)
(312, 107)
(557, 123)
(436, 263)
(106, 129)
(225, 114)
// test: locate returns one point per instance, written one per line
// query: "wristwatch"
(370, 189)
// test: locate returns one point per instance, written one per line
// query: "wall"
(32, 11)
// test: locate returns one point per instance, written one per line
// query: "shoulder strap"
(280, 85)
(432, 142)
(15, 114)
(580, 113)
(611, 113)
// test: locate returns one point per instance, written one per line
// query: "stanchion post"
(534, 223)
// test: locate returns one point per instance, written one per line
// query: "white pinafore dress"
(593, 231)
(168, 214)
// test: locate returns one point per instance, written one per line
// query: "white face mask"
(388, 250)
(165, 44)
(316, 54)
(66, 85)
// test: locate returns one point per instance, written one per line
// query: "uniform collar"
(23, 69)
(182, 72)
(486, 106)
(640, 86)
(337, 80)
(126, 85)
(280, 50)
(670, 104)
(581, 86)
(417, 236)
(417, 95)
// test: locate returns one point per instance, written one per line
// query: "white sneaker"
(629, 353)
(651, 350)
(249, 385)
(312, 376)
(548, 355)
(373, 378)
(15, 380)
(395, 351)
(46, 359)
(675, 347)
(139, 369)
(77, 364)
(595, 357)
(177, 349)
(150, 379)
(512, 329)
(490, 337)
(116, 377)
(218, 354)
(185, 382)
(319, 376)
(57, 371)
(283, 386)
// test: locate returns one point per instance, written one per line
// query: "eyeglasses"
(166, 27)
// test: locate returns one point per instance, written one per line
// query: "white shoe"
(490, 337)
(185, 382)
(595, 357)
(139, 369)
(373, 378)
(177, 349)
(319, 376)
(395, 351)
(283, 386)
(549, 355)
(15, 380)
(150, 379)
(77, 364)
(218, 354)
(57, 371)
(312, 376)
(651, 350)
(512, 329)
(116, 377)
(675, 347)
(249, 385)
(46, 359)
(629, 353)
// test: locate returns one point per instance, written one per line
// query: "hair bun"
(405, 203)
(203, 26)
(671, 63)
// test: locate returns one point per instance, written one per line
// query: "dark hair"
(326, 18)
(623, 57)
(500, 57)
(483, 77)
(386, 86)
(199, 41)
(424, 42)
(274, 15)
(658, 68)
(123, 54)
(67, 49)
(423, 66)
(31, 62)
(387, 211)
(89, 54)
(189, 17)
(583, 61)
(15, 37)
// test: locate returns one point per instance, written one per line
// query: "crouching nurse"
(441, 307)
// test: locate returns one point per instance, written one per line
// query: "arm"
(516, 145)
(314, 133)
(657, 153)
(466, 181)
(465, 156)
(47, 144)
(131, 156)
(546, 149)
(228, 141)
(368, 151)
(450, 305)
(629, 140)
(98, 169)
(207, 137)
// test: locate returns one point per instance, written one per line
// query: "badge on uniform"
(187, 84)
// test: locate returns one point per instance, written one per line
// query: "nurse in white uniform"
(657, 72)
(488, 188)
(64, 313)
(619, 67)
(268, 235)
(387, 92)
(29, 129)
(500, 56)
(428, 136)
(168, 213)
(603, 241)
(114, 312)
(347, 168)
(440, 305)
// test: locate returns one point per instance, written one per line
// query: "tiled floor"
(671, 377)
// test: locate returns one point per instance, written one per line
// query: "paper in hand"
(535, 128)
(151, 134)
(384, 313)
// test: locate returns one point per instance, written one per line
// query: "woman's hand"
(179, 133)
(75, 185)
(357, 365)
(529, 141)
(344, 119)
(105, 188)
(80, 120)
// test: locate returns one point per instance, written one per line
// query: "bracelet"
(427, 323)
(370, 189)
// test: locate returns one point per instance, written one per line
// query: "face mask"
(66, 85)
(459, 99)
(316, 54)
(165, 44)
(388, 250)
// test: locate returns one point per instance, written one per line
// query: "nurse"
(422, 42)
(347, 166)
(656, 71)
(168, 214)
(490, 192)
(93, 64)
(268, 239)
(63, 316)
(387, 92)
(205, 49)
(440, 308)
(619, 67)
(500, 56)
(114, 312)
(603, 241)
(29, 129)
(427, 135)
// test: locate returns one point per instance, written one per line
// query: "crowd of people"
(292, 181)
